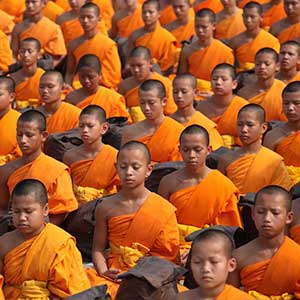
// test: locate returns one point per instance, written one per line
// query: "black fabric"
(98, 292)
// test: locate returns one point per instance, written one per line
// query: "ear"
(234, 84)
(232, 264)
(46, 210)
(214, 25)
(44, 134)
(164, 102)
(105, 127)
(277, 67)
(150, 168)
(289, 218)
(209, 148)
(12, 97)
(264, 127)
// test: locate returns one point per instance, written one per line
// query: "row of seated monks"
(137, 92)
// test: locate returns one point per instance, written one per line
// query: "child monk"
(28, 77)
(158, 132)
(211, 262)
(88, 43)
(92, 158)
(119, 218)
(265, 90)
(38, 260)
(60, 115)
(184, 90)
(31, 134)
(273, 269)
(253, 166)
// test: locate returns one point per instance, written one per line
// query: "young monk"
(89, 42)
(184, 89)
(92, 158)
(28, 77)
(60, 115)
(89, 72)
(31, 134)
(36, 25)
(5, 53)
(265, 90)
(158, 132)
(289, 27)
(273, 269)
(211, 262)
(253, 166)
(289, 59)
(223, 106)
(273, 12)
(38, 260)
(119, 218)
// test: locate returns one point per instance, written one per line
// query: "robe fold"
(56, 178)
(5, 52)
(232, 293)
(14, 8)
(167, 15)
(64, 4)
(52, 258)
(52, 10)
(6, 22)
(290, 33)
(273, 15)
(106, 11)
(295, 233)
(215, 6)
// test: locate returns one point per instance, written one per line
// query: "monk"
(36, 25)
(215, 6)
(14, 8)
(28, 77)
(265, 90)
(9, 148)
(289, 27)
(158, 40)
(212, 244)
(92, 158)
(273, 269)
(5, 53)
(89, 42)
(38, 260)
(60, 115)
(52, 10)
(223, 106)
(90, 71)
(31, 134)
(158, 132)
(252, 166)
(140, 64)
(254, 38)
(119, 219)
(289, 59)
(273, 12)
(184, 90)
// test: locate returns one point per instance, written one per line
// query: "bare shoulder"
(19, 28)
(237, 41)
(132, 131)
(72, 155)
(242, 254)
(72, 98)
(75, 43)
(137, 33)
(226, 159)
(7, 169)
(8, 242)
(125, 85)
(119, 15)
(248, 91)
(277, 27)
(274, 137)
(66, 16)
(108, 206)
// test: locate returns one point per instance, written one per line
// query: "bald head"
(195, 129)
(190, 78)
(269, 51)
(35, 116)
(140, 51)
(135, 145)
(57, 75)
(91, 61)
(224, 66)
(257, 109)
(96, 111)
(153, 84)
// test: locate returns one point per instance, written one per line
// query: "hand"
(112, 274)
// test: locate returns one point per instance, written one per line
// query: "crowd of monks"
(193, 79)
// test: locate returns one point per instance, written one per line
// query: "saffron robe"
(167, 15)
(295, 233)
(6, 22)
(230, 293)
(5, 52)
(290, 33)
(14, 8)
(106, 10)
(215, 6)
(52, 10)
(64, 4)
(274, 14)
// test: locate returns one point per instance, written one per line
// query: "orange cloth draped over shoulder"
(14, 8)
(290, 33)
(106, 11)
(202, 62)
(5, 52)
(215, 6)
(65, 118)
(6, 22)
(275, 276)
(242, 3)
(1, 286)
(52, 10)
(167, 15)
(230, 27)
(295, 233)
(49, 34)
(230, 293)
(203, 204)
(161, 44)
(273, 15)
(56, 178)
(107, 54)
(252, 172)
(215, 139)
(295, 78)
(47, 264)
(64, 4)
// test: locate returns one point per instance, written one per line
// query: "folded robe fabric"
(5, 52)
(14, 8)
(274, 14)
(290, 33)
(52, 10)
(6, 22)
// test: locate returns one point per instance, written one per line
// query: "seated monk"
(289, 59)
(15, 8)
(88, 43)
(5, 53)
(249, 42)
(289, 27)
(273, 268)
(37, 26)
(38, 260)
(92, 158)
(31, 134)
(140, 64)
(273, 12)
(215, 6)
(212, 244)
(253, 166)
(184, 90)
(89, 72)
(28, 77)
(9, 149)
(60, 115)
(223, 106)
(7, 23)
(52, 10)
(119, 219)
(265, 90)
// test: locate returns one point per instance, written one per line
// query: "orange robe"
(49, 34)
(52, 10)
(290, 33)
(107, 54)
(5, 52)
(1, 286)
(6, 22)
(65, 118)
(252, 172)
(271, 101)
(295, 233)
(204, 204)
(106, 10)
(230, 293)
(215, 6)
(47, 264)
(64, 4)
(230, 27)
(295, 78)
(14, 8)
(56, 178)
(273, 15)
(242, 3)
(167, 15)
(275, 276)
(202, 62)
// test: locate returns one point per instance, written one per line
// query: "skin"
(73, 13)
(6, 99)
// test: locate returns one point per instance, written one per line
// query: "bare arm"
(183, 67)
(14, 44)
(70, 68)
(164, 187)
(113, 32)
(4, 192)
(57, 219)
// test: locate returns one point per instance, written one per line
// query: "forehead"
(251, 11)
(292, 96)
(86, 70)
(202, 20)
(138, 59)
(3, 86)
(49, 77)
(248, 114)
(153, 93)
(150, 6)
(222, 72)
(132, 155)
(210, 246)
(193, 138)
(265, 57)
(28, 124)
(180, 2)
(28, 45)
(271, 201)
(25, 200)
(183, 82)
(91, 117)
(88, 11)
(290, 48)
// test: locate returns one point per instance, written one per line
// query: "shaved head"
(268, 50)
(195, 129)
(192, 79)
(257, 109)
(35, 116)
(225, 66)
(141, 51)
(96, 111)
(135, 145)
(56, 74)
(153, 84)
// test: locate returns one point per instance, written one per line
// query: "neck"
(294, 126)
(199, 172)
(186, 112)
(91, 33)
(51, 108)
(5, 111)
(293, 20)
(92, 92)
(36, 18)
(131, 9)
(230, 10)
(29, 158)
(205, 43)
(94, 147)
(211, 293)
(151, 27)
(29, 71)
(184, 20)
(273, 243)
(222, 100)
(253, 33)
(157, 122)
(137, 193)
(287, 74)
(266, 83)
(252, 148)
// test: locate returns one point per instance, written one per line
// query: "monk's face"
(88, 19)
(222, 82)
(89, 79)
(34, 7)
(29, 54)
(140, 67)
(6, 98)
(150, 14)
(252, 18)
(265, 66)
(76, 4)
(181, 8)
(50, 89)
(288, 57)
(228, 3)
(204, 28)
(291, 106)
(183, 93)
(292, 8)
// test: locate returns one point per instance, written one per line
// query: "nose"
(22, 216)
(244, 128)
(267, 217)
